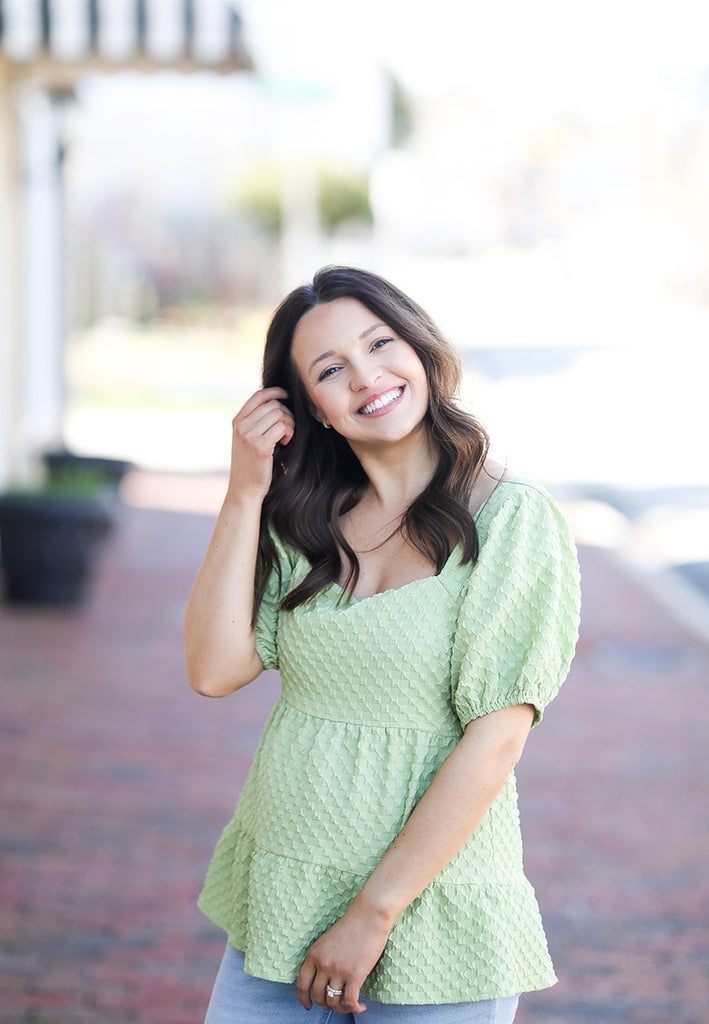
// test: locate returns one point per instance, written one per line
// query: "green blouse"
(375, 695)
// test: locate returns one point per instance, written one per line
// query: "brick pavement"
(116, 779)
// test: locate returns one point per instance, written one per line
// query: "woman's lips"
(382, 403)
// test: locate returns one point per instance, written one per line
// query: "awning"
(56, 41)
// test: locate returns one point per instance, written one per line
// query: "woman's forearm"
(450, 810)
(220, 648)
(220, 652)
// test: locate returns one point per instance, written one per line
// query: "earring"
(326, 425)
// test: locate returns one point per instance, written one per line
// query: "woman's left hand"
(341, 959)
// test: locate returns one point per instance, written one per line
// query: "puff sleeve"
(518, 621)
(267, 620)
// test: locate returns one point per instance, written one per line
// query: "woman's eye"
(380, 342)
(328, 372)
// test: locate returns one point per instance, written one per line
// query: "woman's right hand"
(263, 422)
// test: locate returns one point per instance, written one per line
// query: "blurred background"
(537, 177)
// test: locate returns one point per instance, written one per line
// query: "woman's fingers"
(304, 984)
(260, 397)
(343, 997)
(312, 986)
(264, 428)
(350, 1000)
(251, 413)
(260, 404)
(262, 423)
(322, 987)
(260, 414)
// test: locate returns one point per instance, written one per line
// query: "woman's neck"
(399, 472)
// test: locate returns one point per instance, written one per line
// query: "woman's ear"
(317, 415)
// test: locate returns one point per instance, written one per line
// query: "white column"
(43, 272)
(11, 386)
(301, 238)
(292, 113)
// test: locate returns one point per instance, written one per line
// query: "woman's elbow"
(502, 735)
(211, 687)
(216, 684)
(513, 742)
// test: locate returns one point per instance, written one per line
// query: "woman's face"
(362, 379)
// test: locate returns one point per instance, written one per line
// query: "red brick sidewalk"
(116, 780)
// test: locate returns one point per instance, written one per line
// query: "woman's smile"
(382, 404)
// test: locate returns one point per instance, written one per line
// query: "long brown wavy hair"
(317, 477)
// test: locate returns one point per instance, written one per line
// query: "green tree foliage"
(258, 195)
(343, 195)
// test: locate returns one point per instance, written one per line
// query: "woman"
(422, 608)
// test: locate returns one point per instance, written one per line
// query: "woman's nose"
(364, 374)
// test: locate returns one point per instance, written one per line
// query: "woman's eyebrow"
(319, 359)
(331, 352)
(369, 330)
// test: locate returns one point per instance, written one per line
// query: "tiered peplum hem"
(280, 906)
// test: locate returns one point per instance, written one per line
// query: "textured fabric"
(375, 695)
(239, 998)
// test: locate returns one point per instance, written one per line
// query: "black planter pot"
(48, 545)
(65, 467)
(67, 471)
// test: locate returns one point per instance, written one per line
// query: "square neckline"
(351, 602)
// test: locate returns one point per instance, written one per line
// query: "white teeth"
(379, 403)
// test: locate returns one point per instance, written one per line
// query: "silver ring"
(334, 991)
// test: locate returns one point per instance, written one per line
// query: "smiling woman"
(422, 607)
(371, 374)
(414, 471)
